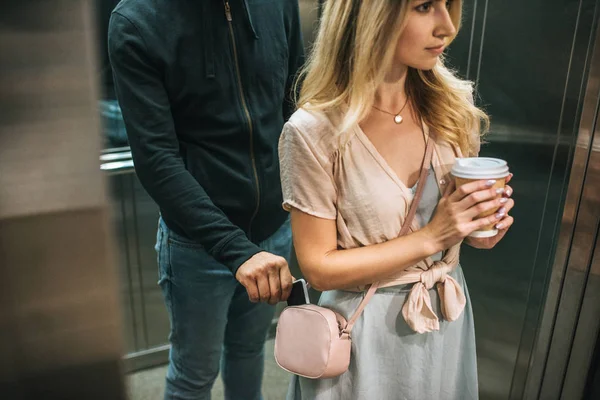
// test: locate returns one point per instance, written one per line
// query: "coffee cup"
(467, 170)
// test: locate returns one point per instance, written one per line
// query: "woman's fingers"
(481, 223)
(487, 206)
(450, 188)
(476, 199)
(505, 223)
(472, 187)
(510, 203)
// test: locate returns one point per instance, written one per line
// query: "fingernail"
(501, 212)
(490, 183)
(500, 191)
(500, 225)
(509, 192)
(503, 200)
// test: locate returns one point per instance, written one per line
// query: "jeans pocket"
(177, 240)
(157, 249)
(162, 253)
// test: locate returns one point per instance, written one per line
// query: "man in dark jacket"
(205, 87)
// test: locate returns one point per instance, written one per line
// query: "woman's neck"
(391, 94)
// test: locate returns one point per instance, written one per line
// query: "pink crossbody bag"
(315, 342)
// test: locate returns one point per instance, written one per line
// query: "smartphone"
(299, 294)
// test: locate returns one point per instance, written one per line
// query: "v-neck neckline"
(382, 161)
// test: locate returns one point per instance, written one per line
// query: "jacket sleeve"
(155, 149)
(295, 58)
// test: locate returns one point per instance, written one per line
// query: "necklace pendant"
(398, 119)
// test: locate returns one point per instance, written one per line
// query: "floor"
(149, 384)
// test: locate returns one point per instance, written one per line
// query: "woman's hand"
(503, 225)
(456, 214)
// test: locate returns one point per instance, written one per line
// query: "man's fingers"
(286, 279)
(252, 289)
(264, 292)
(266, 278)
(274, 287)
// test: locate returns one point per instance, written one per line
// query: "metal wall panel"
(529, 60)
(592, 389)
(60, 332)
(571, 324)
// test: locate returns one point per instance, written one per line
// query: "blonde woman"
(374, 92)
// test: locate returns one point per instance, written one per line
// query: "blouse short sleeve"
(306, 174)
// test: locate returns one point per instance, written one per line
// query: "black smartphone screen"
(297, 296)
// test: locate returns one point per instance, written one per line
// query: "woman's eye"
(425, 7)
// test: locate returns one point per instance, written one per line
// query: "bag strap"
(405, 227)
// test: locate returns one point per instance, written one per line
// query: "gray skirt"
(390, 361)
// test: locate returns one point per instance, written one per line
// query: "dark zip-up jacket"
(204, 86)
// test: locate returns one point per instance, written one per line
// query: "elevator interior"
(536, 65)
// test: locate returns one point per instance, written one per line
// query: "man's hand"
(266, 278)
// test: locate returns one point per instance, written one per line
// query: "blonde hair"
(355, 41)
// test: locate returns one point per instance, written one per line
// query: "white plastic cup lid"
(480, 168)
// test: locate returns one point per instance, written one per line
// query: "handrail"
(125, 155)
(118, 167)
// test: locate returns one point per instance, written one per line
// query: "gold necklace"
(397, 117)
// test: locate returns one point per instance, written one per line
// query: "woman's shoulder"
(313, 122)
(320, 128)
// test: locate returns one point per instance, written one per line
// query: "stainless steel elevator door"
(563, 366)
(529, 61)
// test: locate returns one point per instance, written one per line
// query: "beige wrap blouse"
(342, 177)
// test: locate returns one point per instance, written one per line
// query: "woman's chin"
(426, 65)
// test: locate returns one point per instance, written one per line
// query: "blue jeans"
(213, 323)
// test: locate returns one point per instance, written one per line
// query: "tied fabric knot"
(417, 310)
(436, 273)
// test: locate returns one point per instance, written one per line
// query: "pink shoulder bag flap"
(315, 342)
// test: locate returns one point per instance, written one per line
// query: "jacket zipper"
(246, 112)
